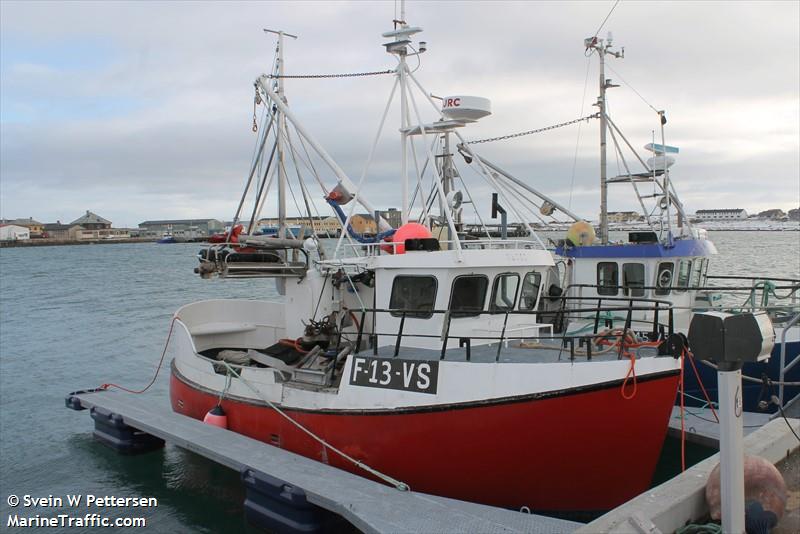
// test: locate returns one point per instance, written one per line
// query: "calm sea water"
(76, 317)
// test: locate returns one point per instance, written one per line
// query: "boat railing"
(759, 290)
(657, 329)
(272, 258)
(389, 247)
(784, 368)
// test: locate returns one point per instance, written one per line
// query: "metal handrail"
(657, 333)
(486, 244)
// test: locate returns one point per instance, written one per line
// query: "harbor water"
(76, 317)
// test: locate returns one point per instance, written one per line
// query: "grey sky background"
(143, 110)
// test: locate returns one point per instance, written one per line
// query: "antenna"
(278, 32)
(603, 48)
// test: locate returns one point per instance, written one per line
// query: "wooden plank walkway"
(368, 505)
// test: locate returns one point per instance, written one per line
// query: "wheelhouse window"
(415, 295)
(684, 273)
(633, 279)
(607, 278)
(468, 295)
(697, 273)
(530, 291)
(664, 278)
(504, 292)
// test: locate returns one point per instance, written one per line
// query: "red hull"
(579, 451)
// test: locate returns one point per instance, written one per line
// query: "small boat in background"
(167, 238)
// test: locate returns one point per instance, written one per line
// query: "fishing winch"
(319, 333)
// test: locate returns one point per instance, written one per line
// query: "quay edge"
(681, 500)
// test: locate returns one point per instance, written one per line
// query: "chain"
(529, 132)
(344, 75)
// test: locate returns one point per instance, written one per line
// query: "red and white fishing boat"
(417, 357)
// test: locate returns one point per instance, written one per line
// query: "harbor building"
(187, 228)
(34, 227)
(363, 223)
(730, 214)
(13, 232)
(623, 216)
(773, 215)
(393, 217)
(104, 233)
(322, 226)
(92, 221)
(64, 232)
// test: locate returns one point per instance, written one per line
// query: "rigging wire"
(578, 140)
(609, 67)
(606, 19)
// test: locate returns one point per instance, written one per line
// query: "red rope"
(158, 369)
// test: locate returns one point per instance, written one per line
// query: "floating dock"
(304, 486)
(701, 426)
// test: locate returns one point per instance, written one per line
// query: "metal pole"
(401, 73)
(731, 450)
(663, 120)
(281, 158)
(447, 186)
(601, 103)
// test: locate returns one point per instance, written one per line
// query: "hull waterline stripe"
(435, 408)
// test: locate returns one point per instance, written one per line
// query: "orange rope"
(293, 343)
(160, 363)
(702, 387)
(631, 374)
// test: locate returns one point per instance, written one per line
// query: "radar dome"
(466, 108)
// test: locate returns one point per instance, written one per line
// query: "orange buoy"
(216, 417)
(407, 231)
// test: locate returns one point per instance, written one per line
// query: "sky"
(143, 110)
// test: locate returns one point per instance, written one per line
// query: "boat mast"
(401, 75)
(281, 130)
(602, 49)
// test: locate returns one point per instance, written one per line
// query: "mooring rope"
(158, 369)
(402, 486)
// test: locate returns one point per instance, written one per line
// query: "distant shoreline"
(45, 242)
(37, 242)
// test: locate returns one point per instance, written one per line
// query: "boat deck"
(368, 505)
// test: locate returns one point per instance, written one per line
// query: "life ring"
(665, 278)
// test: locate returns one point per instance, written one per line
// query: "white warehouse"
(722, 215)
(12, 232)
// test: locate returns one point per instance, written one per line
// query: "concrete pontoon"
(367, 505)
